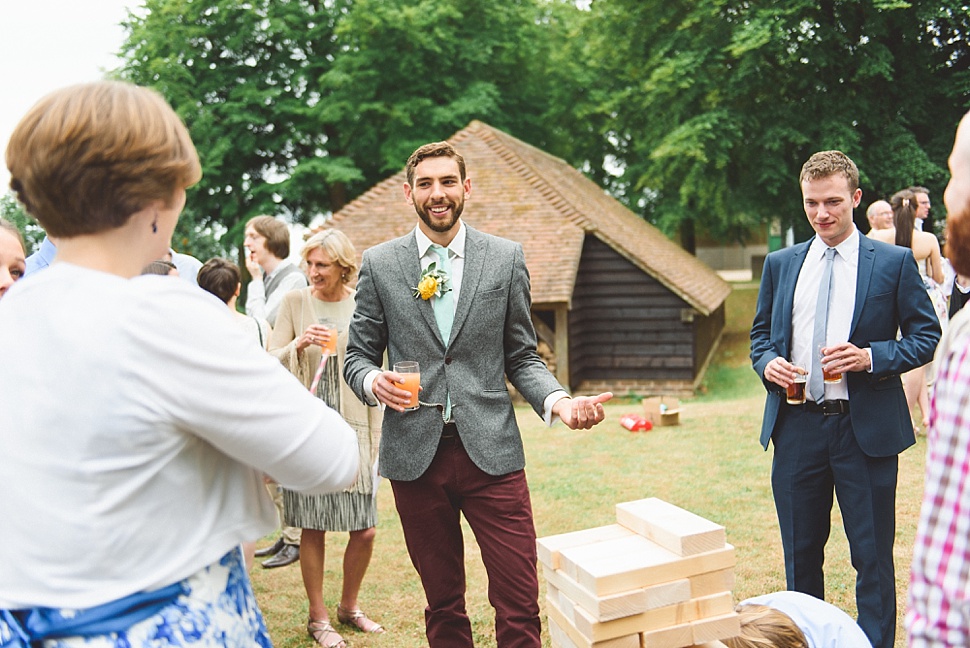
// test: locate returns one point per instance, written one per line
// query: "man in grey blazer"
(460, 451)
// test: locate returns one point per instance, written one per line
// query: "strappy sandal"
(321, 631)
(359, 620)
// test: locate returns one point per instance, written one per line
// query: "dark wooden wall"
(624, 324)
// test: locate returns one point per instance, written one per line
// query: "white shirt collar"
(846, 248)
(457, 245)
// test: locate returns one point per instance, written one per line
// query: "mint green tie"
(444, 309)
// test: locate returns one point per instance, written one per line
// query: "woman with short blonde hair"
(133, 427)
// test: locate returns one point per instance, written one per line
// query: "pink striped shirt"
(939, 592)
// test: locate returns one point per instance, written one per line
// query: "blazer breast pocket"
(498, 292)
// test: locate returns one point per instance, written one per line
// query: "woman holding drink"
(313, 322)
(134, 413)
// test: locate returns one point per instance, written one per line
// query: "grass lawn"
(711, 464)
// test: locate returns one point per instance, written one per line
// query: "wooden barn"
(616, 304)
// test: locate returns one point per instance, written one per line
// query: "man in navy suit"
(846, 436)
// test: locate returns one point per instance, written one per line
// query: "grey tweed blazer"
(492, 337)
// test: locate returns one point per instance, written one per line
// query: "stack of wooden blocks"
(659, 578)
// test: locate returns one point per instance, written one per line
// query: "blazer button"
(448, 360)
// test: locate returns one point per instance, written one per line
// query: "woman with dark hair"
(135, 416)
(926, 251)
(222, 278)
(12, 256)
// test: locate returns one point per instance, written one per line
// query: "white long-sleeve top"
(136, 422)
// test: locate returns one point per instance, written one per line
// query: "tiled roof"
(526, 195)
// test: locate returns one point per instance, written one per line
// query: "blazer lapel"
(410, 265)
(867, 256)
(471, 276)
(794, 267)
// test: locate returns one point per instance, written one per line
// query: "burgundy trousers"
(499, 511)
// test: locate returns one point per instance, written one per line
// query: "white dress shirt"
(841, 305)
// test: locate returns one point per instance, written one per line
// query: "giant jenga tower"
(659, 578)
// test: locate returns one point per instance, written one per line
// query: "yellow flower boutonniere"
(432, 283)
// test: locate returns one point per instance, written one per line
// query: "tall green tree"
(710, 107)
(297, 106)
(12, 211)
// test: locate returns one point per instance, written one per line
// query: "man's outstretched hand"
(582, 412)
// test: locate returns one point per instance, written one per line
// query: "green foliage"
(710, 107)
(11, 210)
(298, 106)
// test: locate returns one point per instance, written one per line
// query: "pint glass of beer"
(796, 390)
(830, 377)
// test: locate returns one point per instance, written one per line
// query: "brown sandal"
(359, 620)
(321, 631)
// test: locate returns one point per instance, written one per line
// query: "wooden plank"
(614, 606)
(549, 548)
(620, 565)
(713, 582)
(555, 615)
(671, 637)
(671, 615)
(670, 526)
(716, 628)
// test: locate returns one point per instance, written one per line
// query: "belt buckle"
(831, 408)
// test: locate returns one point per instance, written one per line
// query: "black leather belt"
(828, 407)
(449, 431)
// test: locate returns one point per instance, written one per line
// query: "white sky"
(49, 44)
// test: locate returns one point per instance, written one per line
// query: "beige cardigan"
(296, 313)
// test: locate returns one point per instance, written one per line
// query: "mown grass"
(710, 464)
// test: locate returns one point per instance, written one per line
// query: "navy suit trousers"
(814, 454)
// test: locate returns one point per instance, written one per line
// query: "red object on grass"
(635, 423)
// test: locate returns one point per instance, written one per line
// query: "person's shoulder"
(294, 296)
(389, 246)
(494, 243)
(787, 252)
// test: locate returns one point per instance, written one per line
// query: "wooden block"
(716, 628)
(555, 615)
(671, 527)
(614, 606)
(670, 637)
(615, 566)
(548, 548)
(672, 615)
(713, 582)
(559, 637)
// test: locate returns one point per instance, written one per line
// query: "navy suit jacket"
(890, 298)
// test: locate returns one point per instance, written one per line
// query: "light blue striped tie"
(444, 310)
(816, 382)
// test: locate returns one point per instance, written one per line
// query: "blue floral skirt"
(217, 607)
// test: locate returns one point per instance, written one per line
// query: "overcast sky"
(49, 44)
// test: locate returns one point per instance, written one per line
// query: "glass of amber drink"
(796, 390)
(411, 382)
(330, 346)
(830, 377)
